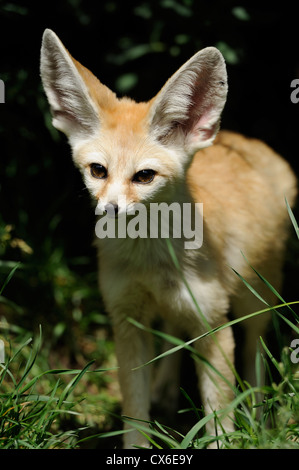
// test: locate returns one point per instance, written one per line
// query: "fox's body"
(155, 152)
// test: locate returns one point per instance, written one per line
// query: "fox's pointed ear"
(73, 109)
(187, 110)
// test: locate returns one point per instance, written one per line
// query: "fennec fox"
(133, 154)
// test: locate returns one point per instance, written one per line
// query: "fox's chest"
(151, 282)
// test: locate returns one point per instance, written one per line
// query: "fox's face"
(124, 164)
(133, 152)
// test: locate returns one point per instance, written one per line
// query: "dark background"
(133, 47)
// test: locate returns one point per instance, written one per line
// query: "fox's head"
(132, 151)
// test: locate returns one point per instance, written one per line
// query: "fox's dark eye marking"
(144, 176)
(98, 171)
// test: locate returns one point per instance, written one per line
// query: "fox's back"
(235, 161)
(243, 184)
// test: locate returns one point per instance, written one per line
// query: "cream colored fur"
(241, 182)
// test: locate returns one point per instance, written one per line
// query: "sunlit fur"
(242, 184)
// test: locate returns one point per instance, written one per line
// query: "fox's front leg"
(133, 349)
(216, 379)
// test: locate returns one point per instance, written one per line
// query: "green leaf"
(241, 13)
(126, 82)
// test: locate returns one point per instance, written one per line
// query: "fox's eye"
(98, 171)
(144, 176)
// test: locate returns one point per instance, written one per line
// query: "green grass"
(268, 422)
(59, 390)
(30, 417)
(35, 406)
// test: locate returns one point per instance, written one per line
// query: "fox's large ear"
(187, 110)
(73, 109)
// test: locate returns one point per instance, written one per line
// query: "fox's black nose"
(111, 209)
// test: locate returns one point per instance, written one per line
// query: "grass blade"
(9, 277)
(186, 344)
(73, 383)
(292, 217)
